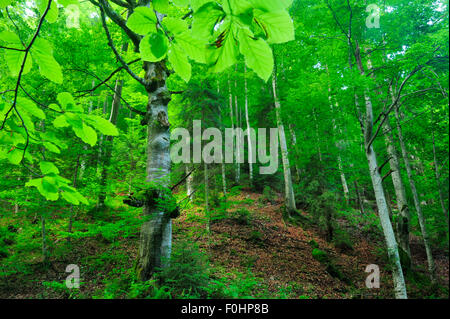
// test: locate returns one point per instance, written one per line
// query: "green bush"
(242, 216)
(187, 274)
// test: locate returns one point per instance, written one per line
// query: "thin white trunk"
(222, 163)
(250, 151)
(288, 188)
(238, 137)
(383, 212)
(189, 181)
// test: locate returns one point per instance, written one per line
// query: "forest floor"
(261, 243)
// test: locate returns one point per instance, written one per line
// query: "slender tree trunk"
(403, 219)
(377, 183)
(238, 137)
(397, 273)
(222, 163)
(294, 142)
(250, 150)
(288, 188)
(430, 259)
(358, 196)
(232, 122)
(155, 243)
(208, 223)
(189, 181)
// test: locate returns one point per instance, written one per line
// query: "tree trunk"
(189, 181)
(358, 196)
(403, 220)
(238, 137)
(222, 163)
(232, 121)
(288, 188)
(156, 233)
(391, 243)
(250, 150)
(208, 223)
(430, 260)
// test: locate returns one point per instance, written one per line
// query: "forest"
(224, 149)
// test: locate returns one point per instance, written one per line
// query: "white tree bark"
(238, 137)
(288, 188)
(156, 232)
(222, 164)
(394, 257)
(189, 181)
(250, 150)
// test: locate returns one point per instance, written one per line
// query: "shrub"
(187, 275)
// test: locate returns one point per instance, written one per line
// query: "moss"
(313, 243)
(320, 256)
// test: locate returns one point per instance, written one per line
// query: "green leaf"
(176, 26)
(66, 3)
(271, 5)
(142, 20)
(61, 121)
(179, 61)
(52, 147)
(103, 126)
(278, 27)
(48, 168)
(225, 51)
(14, 60)
(49, 188)
(87, 134)
(52, 14)
(153, 47)
(81, 198)
(181, 3)
(236, 7)
(74, 120)
(67, 102)
(24, 104)
(193, 47)
(70, 197)
(161, 6)
(15, 156)
(42, 53)
(5, 3)
(205, 20)
(197, 4)
(34, 182)
(258, 54)
(54, 107)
